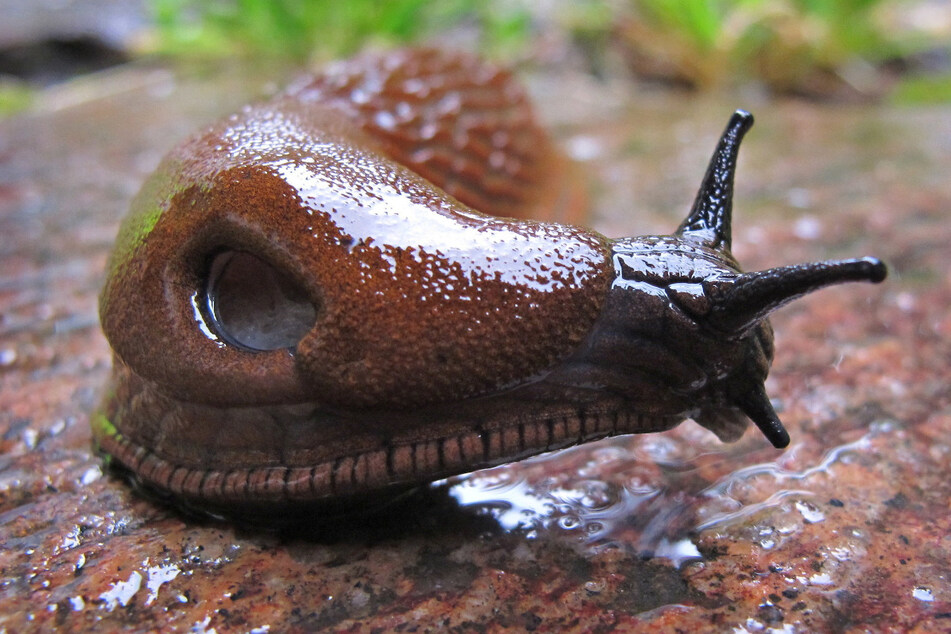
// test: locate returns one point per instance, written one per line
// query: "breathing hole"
(255, 306)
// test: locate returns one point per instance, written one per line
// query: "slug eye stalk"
(710, 220)
(749, 298)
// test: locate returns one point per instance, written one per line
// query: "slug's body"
(306, 306)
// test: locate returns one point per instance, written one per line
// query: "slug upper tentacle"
(307, 302)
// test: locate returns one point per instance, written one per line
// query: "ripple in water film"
(656, 494)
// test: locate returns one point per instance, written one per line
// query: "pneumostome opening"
(255, 306)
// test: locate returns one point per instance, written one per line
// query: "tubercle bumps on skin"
(420, 337)
(293, 181)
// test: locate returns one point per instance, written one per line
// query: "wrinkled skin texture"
(423, 338)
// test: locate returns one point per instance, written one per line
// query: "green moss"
(136, 226)
(145, 211)
(102, 427)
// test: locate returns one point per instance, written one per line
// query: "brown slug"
(309, 304)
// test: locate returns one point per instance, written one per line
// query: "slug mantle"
(339, 293)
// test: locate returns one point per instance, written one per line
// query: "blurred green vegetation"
(302, 30)
(923, 90)
(819, 48)
(15, 96)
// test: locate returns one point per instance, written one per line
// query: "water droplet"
(8, 356)
(385, 120)
(678, 552)
(923, 594)
(584, 148)
(810, 513)
(121, 592)
(158, 576)
(568, 523)
(594, 587)
(30, 437)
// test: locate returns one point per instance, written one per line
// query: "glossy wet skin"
(372, 247)
(417, 337)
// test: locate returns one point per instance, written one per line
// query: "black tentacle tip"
(742, 120)
(876, 271)
(774, 431)
(755, 404)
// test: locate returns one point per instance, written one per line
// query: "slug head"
(685, 330)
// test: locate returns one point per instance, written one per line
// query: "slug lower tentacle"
(308, 304)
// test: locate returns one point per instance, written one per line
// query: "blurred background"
(830, 50)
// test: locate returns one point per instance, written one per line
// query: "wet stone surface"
(848, 529)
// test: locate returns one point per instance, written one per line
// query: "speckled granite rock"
(847, 530)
